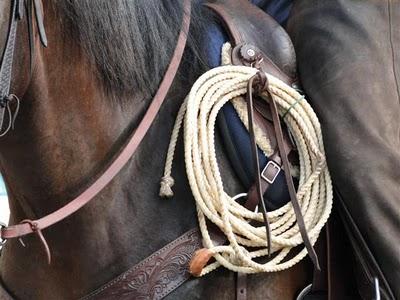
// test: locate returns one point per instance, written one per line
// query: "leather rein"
(17, 14)
(36, 226)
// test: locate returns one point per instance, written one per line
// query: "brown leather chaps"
(348, 53)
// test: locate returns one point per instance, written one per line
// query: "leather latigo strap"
(157, 275)
(289, 179)
(22, 229)
(255, 83)
(241, 286)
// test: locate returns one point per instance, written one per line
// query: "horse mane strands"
(131, 41)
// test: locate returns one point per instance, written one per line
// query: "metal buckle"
(276, 167)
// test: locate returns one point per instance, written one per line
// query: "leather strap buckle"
(271, 171)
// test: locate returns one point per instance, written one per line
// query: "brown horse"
(84, 95)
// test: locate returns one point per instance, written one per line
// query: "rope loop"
(247, 248)
(259, 82)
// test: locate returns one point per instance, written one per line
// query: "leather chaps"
(349, 65)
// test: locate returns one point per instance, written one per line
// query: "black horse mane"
(131, 41)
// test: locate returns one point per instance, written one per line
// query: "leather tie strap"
(256, 83)
(241, 286)
(22, 229)
(289, 179)
(259, 83)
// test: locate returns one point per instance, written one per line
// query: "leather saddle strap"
(157, 275)
(321, 283)
(124, 156)
(260, 83)
(241, 286)
(289, 179)
(254, 82)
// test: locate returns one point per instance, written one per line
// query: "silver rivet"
(251, 52)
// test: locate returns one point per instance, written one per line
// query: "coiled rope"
(247, 242)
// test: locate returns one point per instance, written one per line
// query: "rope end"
(166, 184)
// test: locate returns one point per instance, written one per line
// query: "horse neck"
(68, 129)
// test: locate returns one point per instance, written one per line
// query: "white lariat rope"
(246, 242)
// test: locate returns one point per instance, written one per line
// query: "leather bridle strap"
(17, 13)
(34, 8)
(22, 229)
(8, 57)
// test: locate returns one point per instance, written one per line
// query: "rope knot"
(166, 184)
(260, 82)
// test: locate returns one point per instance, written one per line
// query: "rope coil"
(247, 242)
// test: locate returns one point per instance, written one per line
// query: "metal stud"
(251, 52)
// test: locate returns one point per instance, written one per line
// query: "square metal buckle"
(275, 172)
